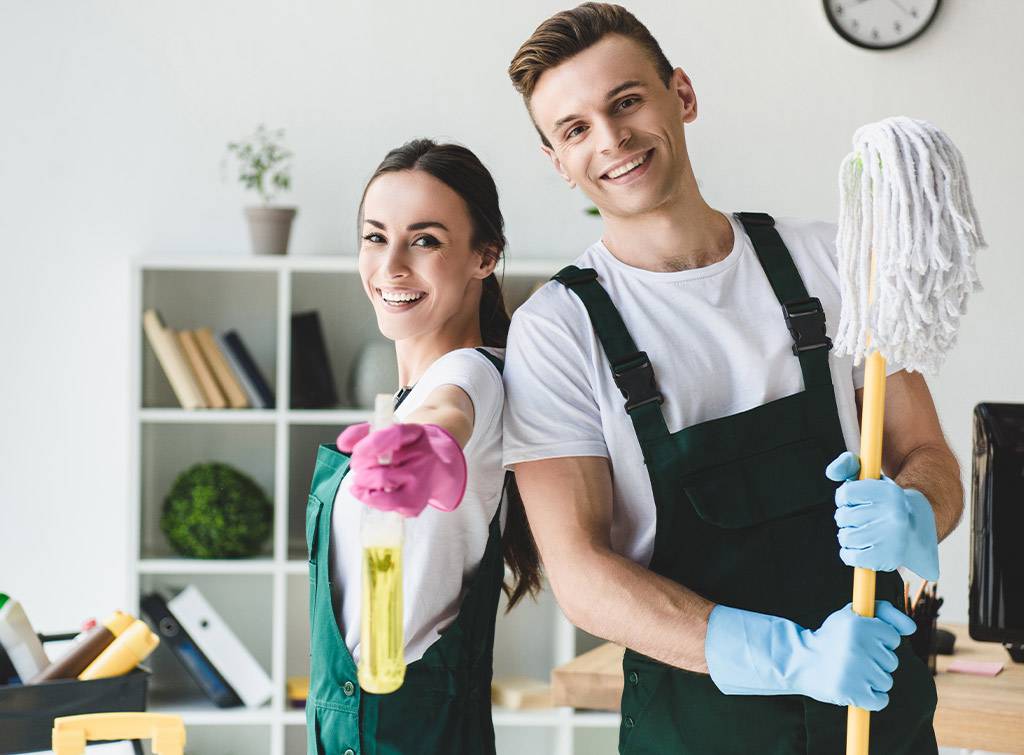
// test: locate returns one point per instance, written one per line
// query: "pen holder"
(926, 616)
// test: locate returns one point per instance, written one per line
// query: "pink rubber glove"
(427, 467)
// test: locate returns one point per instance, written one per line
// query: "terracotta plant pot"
(269, 228)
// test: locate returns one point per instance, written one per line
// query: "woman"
(431, 236)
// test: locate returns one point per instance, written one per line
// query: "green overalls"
(745, 519)
(444, 705)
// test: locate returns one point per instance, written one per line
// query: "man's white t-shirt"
(717, 340)
(442, 550)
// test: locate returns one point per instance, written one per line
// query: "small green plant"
(215, 511)
(263, 162)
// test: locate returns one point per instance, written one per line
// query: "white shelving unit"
(265, 599)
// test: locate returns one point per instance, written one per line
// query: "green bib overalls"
(444, 705)
(745, 518)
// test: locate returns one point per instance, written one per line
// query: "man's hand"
(881, 525)
(849, 660)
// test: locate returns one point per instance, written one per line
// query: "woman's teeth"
(624, 169)
(400, 297)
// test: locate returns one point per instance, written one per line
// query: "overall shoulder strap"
(804, 315)
(631, 369)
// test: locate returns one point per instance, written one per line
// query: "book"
(312, 383)
(188, 653)
(212, 392)
(252, 396)
(248, 371)
(234, 393)
(222, 647)
(168, 353)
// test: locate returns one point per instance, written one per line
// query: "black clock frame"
(864, 45)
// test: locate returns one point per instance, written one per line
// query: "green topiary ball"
(216, 511)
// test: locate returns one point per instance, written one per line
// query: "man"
(671, 407)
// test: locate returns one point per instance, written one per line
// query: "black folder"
(186, 651)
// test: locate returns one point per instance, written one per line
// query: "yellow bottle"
(130, 648)
(382, 637)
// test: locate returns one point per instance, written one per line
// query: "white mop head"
(904, 196)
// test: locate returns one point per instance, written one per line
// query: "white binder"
(222, 647)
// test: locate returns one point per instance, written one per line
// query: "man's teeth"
(394, 297)
(624, 169)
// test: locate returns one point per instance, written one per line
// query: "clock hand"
(900, 5)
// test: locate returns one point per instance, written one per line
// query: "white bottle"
(19, 640)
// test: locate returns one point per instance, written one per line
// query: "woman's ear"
(489, 256)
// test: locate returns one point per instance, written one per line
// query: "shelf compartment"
(346, 319)
(245, 603)
(244, 301)
(169, 449)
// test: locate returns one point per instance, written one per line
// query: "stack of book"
(207, 370)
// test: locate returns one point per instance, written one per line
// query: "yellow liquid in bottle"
(381, 658)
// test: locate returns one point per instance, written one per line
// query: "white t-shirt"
(442, 550)
(717, 340)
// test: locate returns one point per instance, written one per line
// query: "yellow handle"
(70, 733)
(858, 720)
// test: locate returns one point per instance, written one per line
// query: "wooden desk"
(974, 712)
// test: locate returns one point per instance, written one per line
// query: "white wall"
(113, 120)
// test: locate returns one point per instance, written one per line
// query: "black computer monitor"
(997, 527)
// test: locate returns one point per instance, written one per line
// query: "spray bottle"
(19, 640)
(126, 652)
(382, 637)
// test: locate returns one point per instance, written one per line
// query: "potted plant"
(216, 511)
(264, 167)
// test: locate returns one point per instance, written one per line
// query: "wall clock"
(880, 24)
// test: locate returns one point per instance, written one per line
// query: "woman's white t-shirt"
(442, 549)
(715, 336)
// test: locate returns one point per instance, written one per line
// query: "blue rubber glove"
(848, 661)
(881, 525)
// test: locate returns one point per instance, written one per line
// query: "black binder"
(312, 383)
(186, 651)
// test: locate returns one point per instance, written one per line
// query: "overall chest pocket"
(780, 482)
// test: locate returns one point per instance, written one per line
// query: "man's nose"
(611, 136)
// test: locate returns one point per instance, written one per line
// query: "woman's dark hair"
(461, 171)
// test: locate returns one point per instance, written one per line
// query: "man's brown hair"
(571, 32)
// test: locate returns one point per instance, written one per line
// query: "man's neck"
(683, 234)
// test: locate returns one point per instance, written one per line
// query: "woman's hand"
(426, 466)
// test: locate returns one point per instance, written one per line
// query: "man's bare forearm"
(933, 469)
(609, 596)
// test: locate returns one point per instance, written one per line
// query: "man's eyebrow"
(623, 87)
(611, 93)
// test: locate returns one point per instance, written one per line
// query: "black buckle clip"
(806, 322)
(754, 218)
(634, 377)
(575, 277)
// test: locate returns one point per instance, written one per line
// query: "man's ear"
(682, 86)
(558, 165)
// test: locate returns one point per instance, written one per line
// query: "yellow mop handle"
(858, 720)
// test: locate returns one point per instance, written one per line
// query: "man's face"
(615, 129)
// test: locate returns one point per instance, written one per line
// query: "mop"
(908, 233)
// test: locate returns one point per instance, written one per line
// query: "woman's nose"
(396, 265)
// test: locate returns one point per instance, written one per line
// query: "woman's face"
(415, 259)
